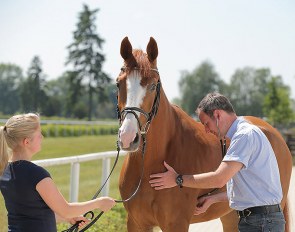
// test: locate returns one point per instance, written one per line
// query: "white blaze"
(135, 95)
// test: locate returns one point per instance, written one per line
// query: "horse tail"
(287, 215)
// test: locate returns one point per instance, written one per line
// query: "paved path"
(215, 225)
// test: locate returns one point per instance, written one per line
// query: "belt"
(259, 210)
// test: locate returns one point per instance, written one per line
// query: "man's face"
(209, 123)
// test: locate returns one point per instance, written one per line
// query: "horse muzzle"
(132, 145)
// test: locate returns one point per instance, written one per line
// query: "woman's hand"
(83, 221)
(105, 203)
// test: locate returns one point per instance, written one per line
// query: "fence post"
(105, 172)
(74, 182)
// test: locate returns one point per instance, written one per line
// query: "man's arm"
(205, 202)
(217, 179)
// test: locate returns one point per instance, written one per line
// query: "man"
(249, 169)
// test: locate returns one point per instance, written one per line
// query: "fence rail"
(75, 161)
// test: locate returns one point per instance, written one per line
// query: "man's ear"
(216, 114)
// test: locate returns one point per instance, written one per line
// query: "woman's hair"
(215, 101)
(17, 128)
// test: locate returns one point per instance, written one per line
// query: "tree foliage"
(33, 97)
(195, 85)
(85, 54)
(248, 86)
(277, 103)
(10, 78)
(56, 91)
(252, 92)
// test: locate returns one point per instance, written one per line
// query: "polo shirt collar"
(233, 128)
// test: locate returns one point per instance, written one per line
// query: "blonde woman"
(31, 198)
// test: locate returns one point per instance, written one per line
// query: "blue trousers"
(271, 222)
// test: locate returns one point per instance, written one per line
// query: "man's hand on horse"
(202, 205)
(164, 180)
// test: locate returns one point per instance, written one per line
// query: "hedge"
(52, 130)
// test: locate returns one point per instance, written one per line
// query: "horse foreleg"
(230, 222)
(177, 226)
(174, 222)
(132, 226)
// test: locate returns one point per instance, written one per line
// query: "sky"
(230, 34)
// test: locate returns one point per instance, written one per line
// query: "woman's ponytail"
(3, 149)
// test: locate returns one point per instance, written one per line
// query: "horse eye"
(152, 87)
(118, 84)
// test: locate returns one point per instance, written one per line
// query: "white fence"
(71, 122)
(75, 169)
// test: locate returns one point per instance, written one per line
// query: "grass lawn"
(90, 176)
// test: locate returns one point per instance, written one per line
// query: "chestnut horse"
(170, 134)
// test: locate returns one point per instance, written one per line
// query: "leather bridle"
(134, 110)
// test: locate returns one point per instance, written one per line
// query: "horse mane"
(142, 62)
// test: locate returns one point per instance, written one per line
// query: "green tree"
(248, 86)
(33, 97)
(108, 104)
(57, 92)
(195, 85)
(10, 78)
(86, 57)
(277, 102)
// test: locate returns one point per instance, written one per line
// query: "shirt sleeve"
(239, 150)
(38, 173)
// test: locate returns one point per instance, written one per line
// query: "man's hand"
(164, 180)
(202, 205)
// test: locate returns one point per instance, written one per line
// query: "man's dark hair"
(215, 101)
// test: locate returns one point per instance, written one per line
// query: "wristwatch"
(179, 181)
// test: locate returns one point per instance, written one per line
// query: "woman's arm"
(55, 200)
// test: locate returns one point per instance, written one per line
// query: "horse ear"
(126, 48)
(152, 49)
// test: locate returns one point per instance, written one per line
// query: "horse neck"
(164, 122)
(165, 112)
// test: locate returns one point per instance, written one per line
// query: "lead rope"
(75, 227)
(223, 152)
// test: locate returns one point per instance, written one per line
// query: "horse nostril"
(136, 138)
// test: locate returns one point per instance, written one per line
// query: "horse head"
(138, 93)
